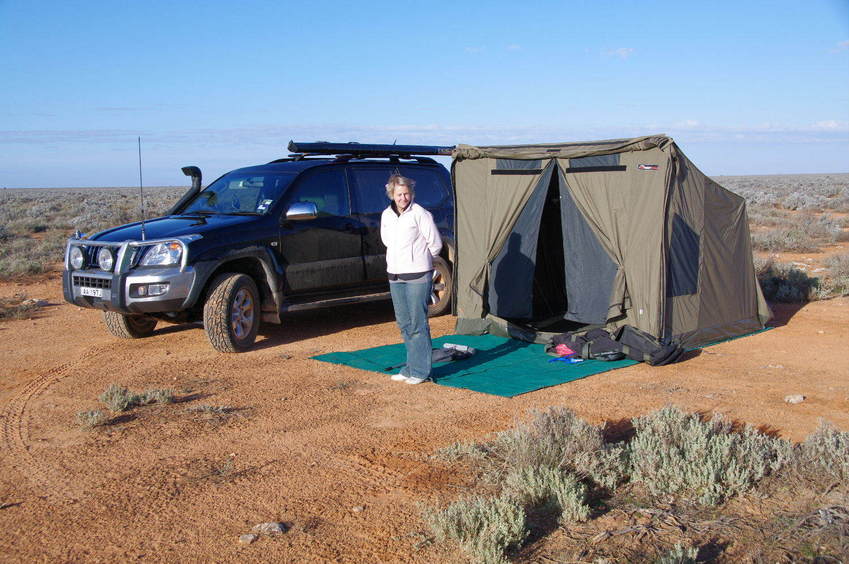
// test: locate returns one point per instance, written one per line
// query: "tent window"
(517, 166)
(595, 163)
(683, 259)
(595, 160)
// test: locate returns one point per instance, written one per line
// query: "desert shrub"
(25, 255)
(92, 418)
(679, 554)
(676, 453)
(462, 450)
(550, 490)
(485, 528)
(4, 234)
(824, 455)
(556, 438)
(157, 396)
(783, 240)
(784, 283)
(804, 201)
(18, 307)
(838, 274)
(118, 398)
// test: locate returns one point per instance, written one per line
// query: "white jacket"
(411, 239)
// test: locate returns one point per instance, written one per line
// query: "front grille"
(92, 282)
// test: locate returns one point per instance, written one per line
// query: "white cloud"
(622, 52)
(841, 46)
(514, 47)
(474, 49)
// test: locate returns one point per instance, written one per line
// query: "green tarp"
(502, 366)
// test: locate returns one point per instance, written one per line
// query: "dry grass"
(35, 223)
(692, 489)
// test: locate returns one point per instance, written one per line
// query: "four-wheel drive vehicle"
(297, 233)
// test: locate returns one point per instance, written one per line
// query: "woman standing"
(412, 240)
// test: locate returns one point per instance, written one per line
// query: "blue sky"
(744, 87)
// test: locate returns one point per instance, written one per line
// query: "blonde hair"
(398, 180)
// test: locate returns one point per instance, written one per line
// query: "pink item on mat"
(563, 350)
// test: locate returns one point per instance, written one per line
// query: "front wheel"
(128, 326)
(443, 286)
(231, 313)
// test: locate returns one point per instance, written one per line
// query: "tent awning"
(561, 150)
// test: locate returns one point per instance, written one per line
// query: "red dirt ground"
(310, 441)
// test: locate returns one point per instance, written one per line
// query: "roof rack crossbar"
(364, 150)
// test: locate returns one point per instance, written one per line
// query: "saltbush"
(824, 455)
(556, 438)
(92, 418)
(485, 528)
(679, 554)
(679, 454)
(550, 490)
(785, 283)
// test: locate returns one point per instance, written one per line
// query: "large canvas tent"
(608, 233)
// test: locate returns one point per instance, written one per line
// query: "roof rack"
(365, 150)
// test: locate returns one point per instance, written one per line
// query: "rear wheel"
(128, 326)
(231, 313)
(443, 284)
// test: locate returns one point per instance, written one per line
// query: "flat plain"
(347, 459)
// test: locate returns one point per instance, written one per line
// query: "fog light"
(77, 258)
(105, 259)
(156, 289)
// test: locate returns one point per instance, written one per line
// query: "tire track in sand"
(16, 417)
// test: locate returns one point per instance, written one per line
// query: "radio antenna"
(141, 191)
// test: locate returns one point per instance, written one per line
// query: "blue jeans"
(410, 301)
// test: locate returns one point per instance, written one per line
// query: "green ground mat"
(502, 367)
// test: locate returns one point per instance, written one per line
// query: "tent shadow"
(782, 313)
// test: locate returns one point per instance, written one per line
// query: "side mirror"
(300, 211)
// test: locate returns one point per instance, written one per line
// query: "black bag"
(643, 347)
(595, 344)
(632, 343)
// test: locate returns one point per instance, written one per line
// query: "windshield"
(240, 193)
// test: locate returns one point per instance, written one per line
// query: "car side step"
(287, 307)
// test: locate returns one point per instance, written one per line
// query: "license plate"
(93, 292)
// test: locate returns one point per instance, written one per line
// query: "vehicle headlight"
(105, 259)
(77, 258)
(163, 253)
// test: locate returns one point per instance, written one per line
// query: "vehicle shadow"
(318, 323)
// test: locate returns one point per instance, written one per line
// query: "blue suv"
(297, 233)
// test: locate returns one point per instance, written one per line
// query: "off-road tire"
(128, 326)
(443, 288)
(231, 313)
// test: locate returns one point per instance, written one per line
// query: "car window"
(431, 191)
(240, 192)
(369, 188)
(325, 187)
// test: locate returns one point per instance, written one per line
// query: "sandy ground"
(340, 455)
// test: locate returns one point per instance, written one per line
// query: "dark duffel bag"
(596, 344)
(641, 346)
(629, 343)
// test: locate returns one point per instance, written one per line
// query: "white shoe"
(398, 378)
(411, 380)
